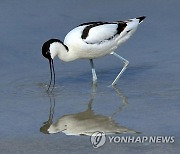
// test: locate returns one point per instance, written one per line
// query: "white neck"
(59, 49)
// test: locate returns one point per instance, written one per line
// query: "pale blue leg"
(126, 62)
(94, 76)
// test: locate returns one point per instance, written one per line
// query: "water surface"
(147, 96)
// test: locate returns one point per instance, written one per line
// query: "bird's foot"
(112, 85)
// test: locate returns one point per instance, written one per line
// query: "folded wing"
(98, 32)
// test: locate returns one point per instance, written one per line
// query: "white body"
(96, 44)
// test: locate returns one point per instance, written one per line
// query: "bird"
(91, 40)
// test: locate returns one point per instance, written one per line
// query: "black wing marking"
(120, 27)
(92, 22)
(90, 25)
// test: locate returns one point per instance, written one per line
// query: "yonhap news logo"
(99, 138)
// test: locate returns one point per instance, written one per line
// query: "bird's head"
(47, 50)
(49, 53)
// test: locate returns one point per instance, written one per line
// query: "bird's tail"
(141, 18)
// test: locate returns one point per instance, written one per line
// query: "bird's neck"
(62, 51)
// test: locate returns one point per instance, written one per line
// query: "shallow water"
(146, 99)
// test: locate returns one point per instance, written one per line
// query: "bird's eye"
(47, 52)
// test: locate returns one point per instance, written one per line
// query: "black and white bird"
(89, 41)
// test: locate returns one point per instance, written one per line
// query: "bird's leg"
(126, 62)
(94, 76)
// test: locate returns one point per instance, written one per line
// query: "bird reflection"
(86, 122)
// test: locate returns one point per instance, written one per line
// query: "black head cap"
(45, 48)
